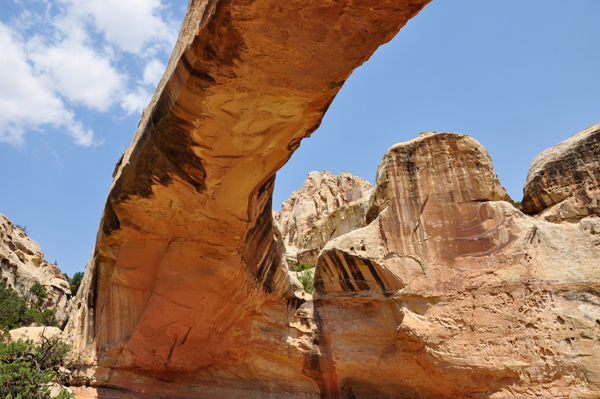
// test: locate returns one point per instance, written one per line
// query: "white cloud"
(153, 72)
(79, 53)
(26, 101)
(136, 101)
(135, 26)
(78, 72)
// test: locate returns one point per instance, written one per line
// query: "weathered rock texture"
(22, 264)
(320, 195)
(341, 221)
(563, 182)
(186, 292)
(451, 292)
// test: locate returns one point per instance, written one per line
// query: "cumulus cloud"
(135, 26)
(78, 53)
(135, 102)
(153, 72)
(28, 101)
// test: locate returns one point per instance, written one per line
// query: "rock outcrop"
(22, 263)
(320, 195)
(186, 292)
(451, 292)
(341, 221)
(563, 182)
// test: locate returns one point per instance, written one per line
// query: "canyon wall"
(187, 292)
(452, 292)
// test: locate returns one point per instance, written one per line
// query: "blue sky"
(75, 75)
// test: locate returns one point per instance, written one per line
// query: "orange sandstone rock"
(451, 292)
(186, 293)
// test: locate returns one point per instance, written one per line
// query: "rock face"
(186, 292)
(563, 182)
(320, 195)
(22, 264)
(451, 292)
(341, 221)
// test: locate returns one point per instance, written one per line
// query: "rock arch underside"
(448, 291)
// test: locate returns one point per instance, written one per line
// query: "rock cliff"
(451, 292)
(563, 182)
(186, 292)
(22, 263)
(448, 291)
(341, 221)
(320, 196)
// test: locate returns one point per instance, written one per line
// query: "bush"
(76, 282)
(15, 312)
(300, 267)
(307, 280)
(26, 370)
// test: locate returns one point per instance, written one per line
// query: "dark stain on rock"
(318, 363)
(353, 265)
(261, 254)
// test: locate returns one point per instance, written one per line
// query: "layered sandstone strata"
(563, 182)
(320, 195)
(22, 263)
(186, 292)
(451, 292)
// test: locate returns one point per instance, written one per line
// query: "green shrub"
(15, 312)
(27, 369)
(76, 282)
(300, 267)
(307, 280)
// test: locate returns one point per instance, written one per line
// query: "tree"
(15, 312)
(26, 370)
(76, 282)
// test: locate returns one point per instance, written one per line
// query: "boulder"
(563, 182)
(35, 334)
(22, 263)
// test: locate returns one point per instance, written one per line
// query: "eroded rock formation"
(563, 182)
(320, 195)
(22, 263)
(186, 292)
(451, 292)
(341, 221)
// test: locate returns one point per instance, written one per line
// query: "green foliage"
(39, 291)
(300, 267)
(15, 312)
(304, 276)
(307, 280)
(27, 369)
(518, 204)
(76, 282)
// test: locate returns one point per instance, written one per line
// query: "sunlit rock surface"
(341, 221)
(186, 293)
(22, 263)
(451, 292)
(563, 183)
(320, 195)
